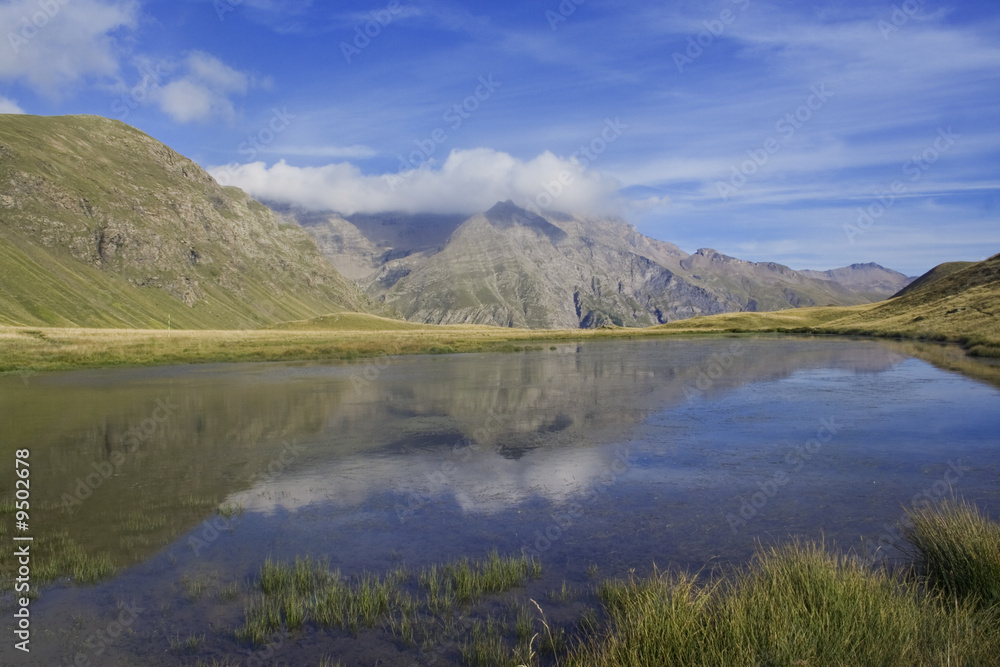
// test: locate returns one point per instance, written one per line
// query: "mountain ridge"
(102, 225)
(510, 267)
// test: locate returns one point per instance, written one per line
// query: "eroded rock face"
(510, 267)
(98, 192)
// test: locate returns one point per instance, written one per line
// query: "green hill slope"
(961, 306)
(103, 226)
(938, 272)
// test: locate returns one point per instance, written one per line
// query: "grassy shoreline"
(32, 349)
(352, 336)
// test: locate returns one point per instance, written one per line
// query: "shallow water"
(619, 455)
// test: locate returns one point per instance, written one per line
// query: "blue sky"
(815, 134)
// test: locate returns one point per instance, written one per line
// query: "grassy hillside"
(103, 226)
(939, 271)
(963, 306)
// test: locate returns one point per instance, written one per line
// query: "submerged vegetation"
(62, 555)
(797, 604)
(419, 608)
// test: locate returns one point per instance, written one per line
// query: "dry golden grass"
(37, 349)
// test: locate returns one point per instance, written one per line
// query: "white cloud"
(53, 49)
(9, 106)
(469, 181)
(204, 91)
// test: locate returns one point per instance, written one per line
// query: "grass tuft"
(957, 549)
(795, 605)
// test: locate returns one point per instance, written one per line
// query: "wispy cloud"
(204, 90)
(56, 49)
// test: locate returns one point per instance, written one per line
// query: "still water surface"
(682, 453)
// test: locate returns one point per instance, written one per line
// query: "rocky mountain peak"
(506, 214)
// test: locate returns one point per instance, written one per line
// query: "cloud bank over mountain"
(467, 181)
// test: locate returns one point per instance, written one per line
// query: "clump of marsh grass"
(293, 594)
(230, 510)
(485, 646)
(470, 580)
(189, 644)
(801, 604)
(957, 549)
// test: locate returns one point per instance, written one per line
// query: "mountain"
(509, 267)
(102, 225)
(871, 280)
(959, 303)
(938, 272)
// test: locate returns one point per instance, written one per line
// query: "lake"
(597, 459)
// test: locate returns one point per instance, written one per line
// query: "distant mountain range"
(510, 267)
(102, 225)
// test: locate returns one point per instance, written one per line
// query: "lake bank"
(25, 350)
